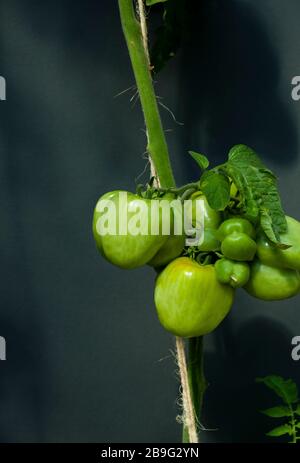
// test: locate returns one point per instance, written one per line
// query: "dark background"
(86, 357)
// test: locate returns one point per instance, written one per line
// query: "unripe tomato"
(189, 299)
(271, 283)
(238, 246)
(286, 258)
(212, 220)
(236, 225)
(235, 274)
(120, 247)
(172, 248)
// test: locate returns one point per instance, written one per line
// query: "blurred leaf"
(169, 36)
(297, 411)
(280, 431)
(286, 389)
(201, 160)
(277, 412)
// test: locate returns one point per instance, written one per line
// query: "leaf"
(286, 389)
(297, 410)
(216, 187)
(258, 188)
(152, 2)
(277, 412)
(169, 36)
(266, 224)
(201, 160)
(280, 431)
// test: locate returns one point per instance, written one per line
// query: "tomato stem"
(197, 379)
(159, 159)
(157, 145)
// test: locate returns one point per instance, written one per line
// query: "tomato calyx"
(150, 191)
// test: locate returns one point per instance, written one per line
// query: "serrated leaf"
(277, 412)
(266, 224)
(201, 160)
(152, 2)
(258, 188)
(280, 431)
(286, 389)
(216, 187)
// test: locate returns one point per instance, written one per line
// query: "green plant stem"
(293, 423)
(197, 379)
(158, 151)
(157, 146)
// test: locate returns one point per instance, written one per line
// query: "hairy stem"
(161, 167)
(197, 380)
(189, 416)
(157, 146)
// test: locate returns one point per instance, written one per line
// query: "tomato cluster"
(195, 286)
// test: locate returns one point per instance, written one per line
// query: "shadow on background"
(260, 347)
(228, 87)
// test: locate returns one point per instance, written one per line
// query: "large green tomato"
(189, 299)
(271, 283)
(127, 240)
(286, 258)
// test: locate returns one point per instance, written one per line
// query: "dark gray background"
(86, 357)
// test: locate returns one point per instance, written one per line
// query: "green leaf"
(201, 160)
(297, 410)
(286, 389)
(266, 224)
(216, 187)
(280, 431)
(257, 185)
(277, 412)
(152, 2)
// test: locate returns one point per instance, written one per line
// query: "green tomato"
(210, 241)
(212, 218)
(174, 245)
(189, 299)
(235, 225)
(238, 246)
(169, 251)
(235, 274)
(117, 244)
(271, 283)
(286, 258)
